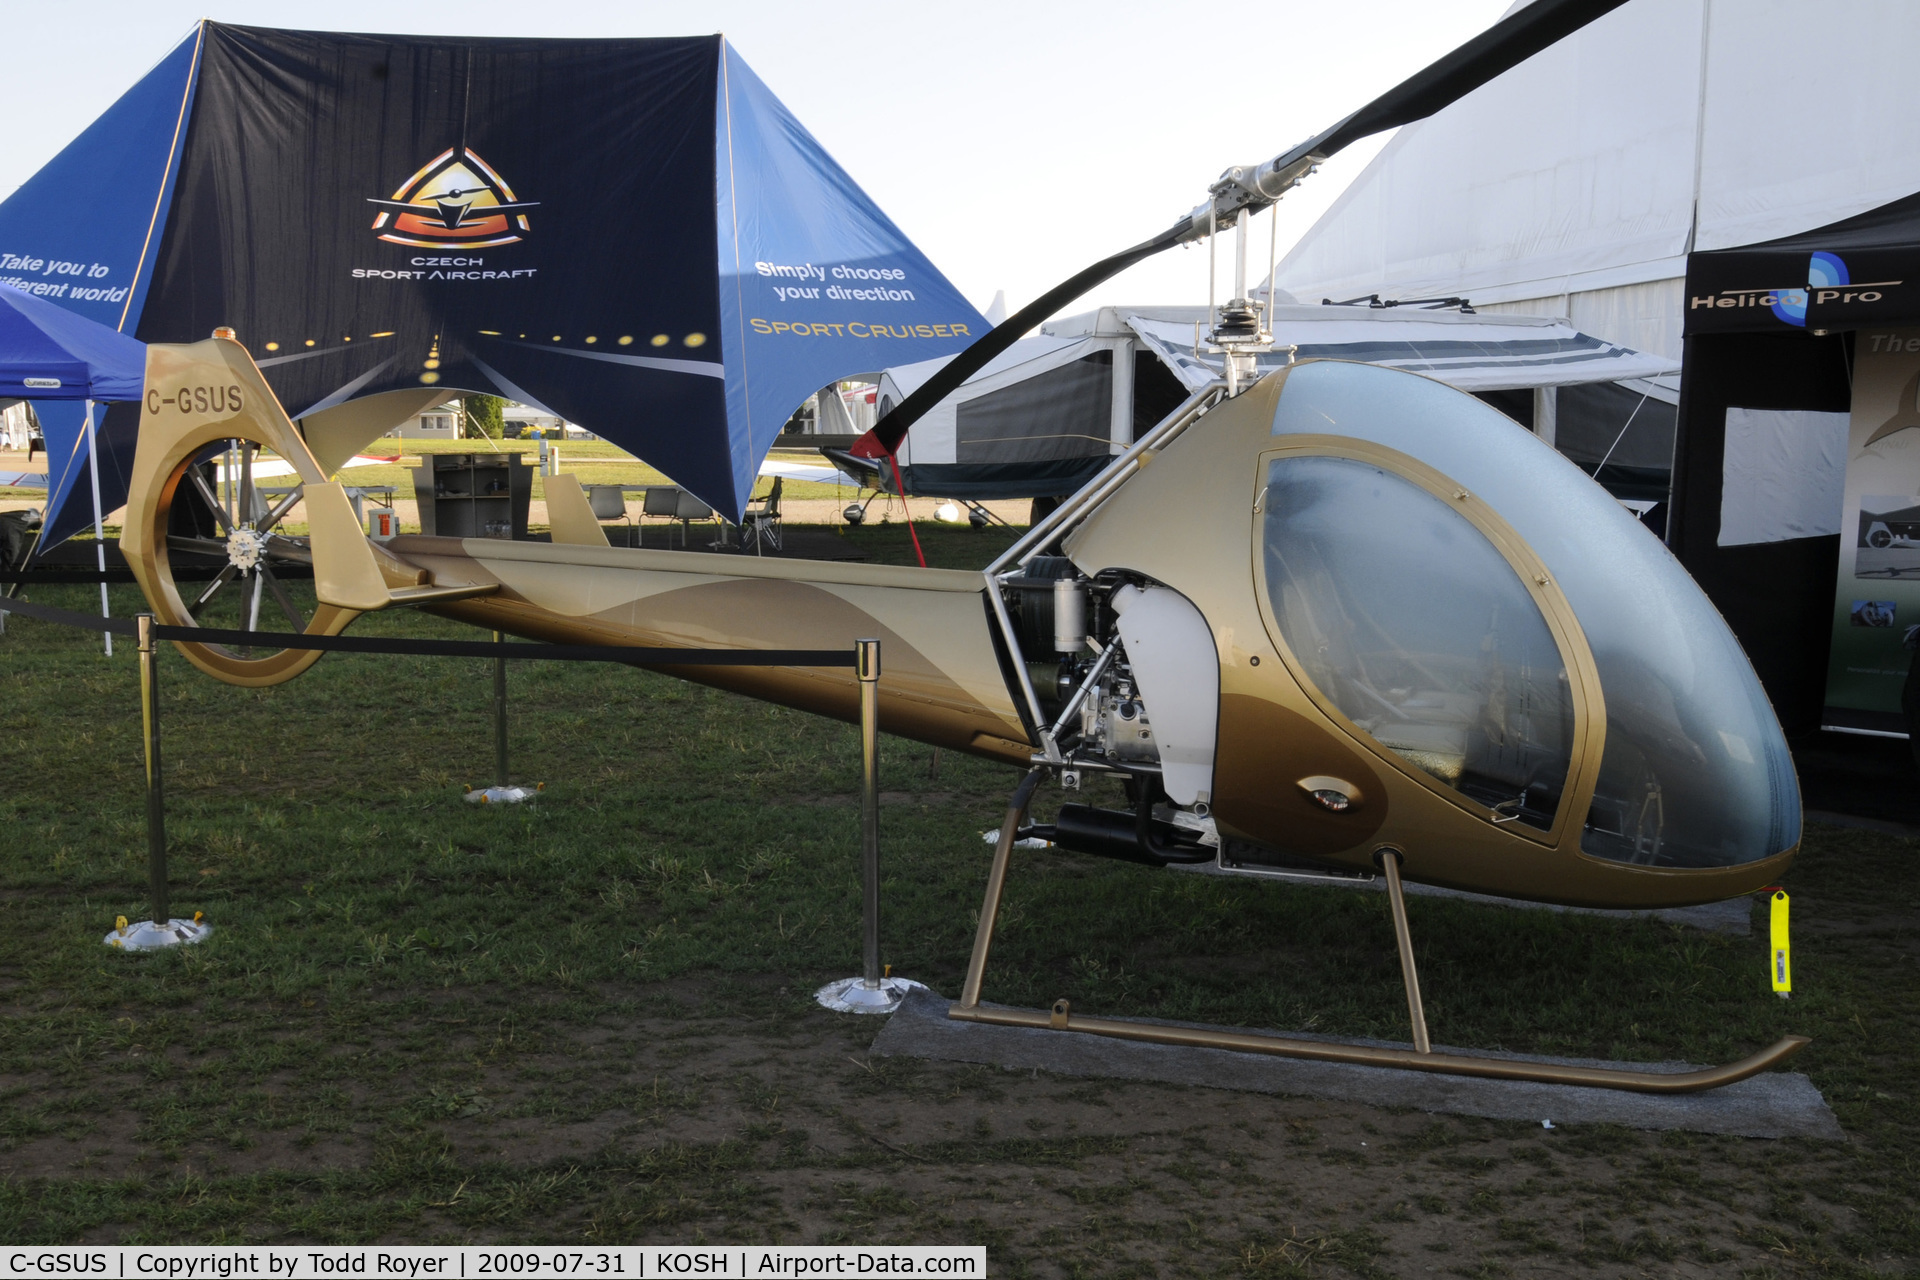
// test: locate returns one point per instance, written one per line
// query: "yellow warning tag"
(1782, 970)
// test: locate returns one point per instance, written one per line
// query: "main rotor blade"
(886, 435)
(1499, 48)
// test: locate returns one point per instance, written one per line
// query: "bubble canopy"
(1409, 620)
(1695, 771)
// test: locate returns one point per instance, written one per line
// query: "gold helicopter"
(1339, 620)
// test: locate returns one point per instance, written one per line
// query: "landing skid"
(1420, 1058)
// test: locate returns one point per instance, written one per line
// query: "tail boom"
(941, 681)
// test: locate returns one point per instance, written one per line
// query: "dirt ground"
(776, 1124)
(591, 1019)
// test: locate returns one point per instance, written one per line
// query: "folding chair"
(608, 502)
(688, 509)
(662, 501)
(762, 525)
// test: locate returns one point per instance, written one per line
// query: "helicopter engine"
(1132, 684)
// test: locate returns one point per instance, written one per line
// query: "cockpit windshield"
(1695, 772)
(1415, 626)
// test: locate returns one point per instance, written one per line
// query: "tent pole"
(99, 520)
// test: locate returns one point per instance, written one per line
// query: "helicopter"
(1340, 621)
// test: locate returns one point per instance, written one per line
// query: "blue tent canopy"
(634, 235)
(49, 353)
(61, 359)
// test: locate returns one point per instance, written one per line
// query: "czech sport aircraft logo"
(456, 201)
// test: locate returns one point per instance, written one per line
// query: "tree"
(484, 417)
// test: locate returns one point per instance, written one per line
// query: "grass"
(590, 1018)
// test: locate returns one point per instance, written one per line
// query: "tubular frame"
(1420, 1058)
(1403, 940)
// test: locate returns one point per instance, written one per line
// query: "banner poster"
(1876, 616)
(634, 235)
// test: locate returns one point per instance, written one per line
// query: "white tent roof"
(1471, 352)
(1665, 126)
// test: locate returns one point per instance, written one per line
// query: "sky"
(1013, 142)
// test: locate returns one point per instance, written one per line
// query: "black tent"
(1778, 326)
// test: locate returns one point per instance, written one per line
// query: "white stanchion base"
(1031, 842)
(853, 995)
(502, 795)
(145, 935)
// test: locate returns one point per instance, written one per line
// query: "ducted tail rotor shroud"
(196, 500)
(248, 555)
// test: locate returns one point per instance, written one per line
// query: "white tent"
(1046, 413)
(1470, 351)
(1055, 393)
(1575, 184)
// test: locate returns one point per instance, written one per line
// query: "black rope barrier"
(122, 577)
(863, 656)
(68, 618)
(65, 577)
(634, 655)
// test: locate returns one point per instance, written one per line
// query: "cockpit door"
(1419, 622)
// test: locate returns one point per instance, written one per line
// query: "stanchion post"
(499, 715)
(162, 930)
(874, 991)
(867, 654)
(502, 791)
(156, 804)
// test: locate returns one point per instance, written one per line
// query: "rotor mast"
(1242, 329)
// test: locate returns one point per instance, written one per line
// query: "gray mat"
(1774, 1104)
(1733, 916)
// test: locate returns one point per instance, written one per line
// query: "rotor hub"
(246, 548)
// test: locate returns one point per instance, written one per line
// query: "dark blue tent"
(632, 234)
